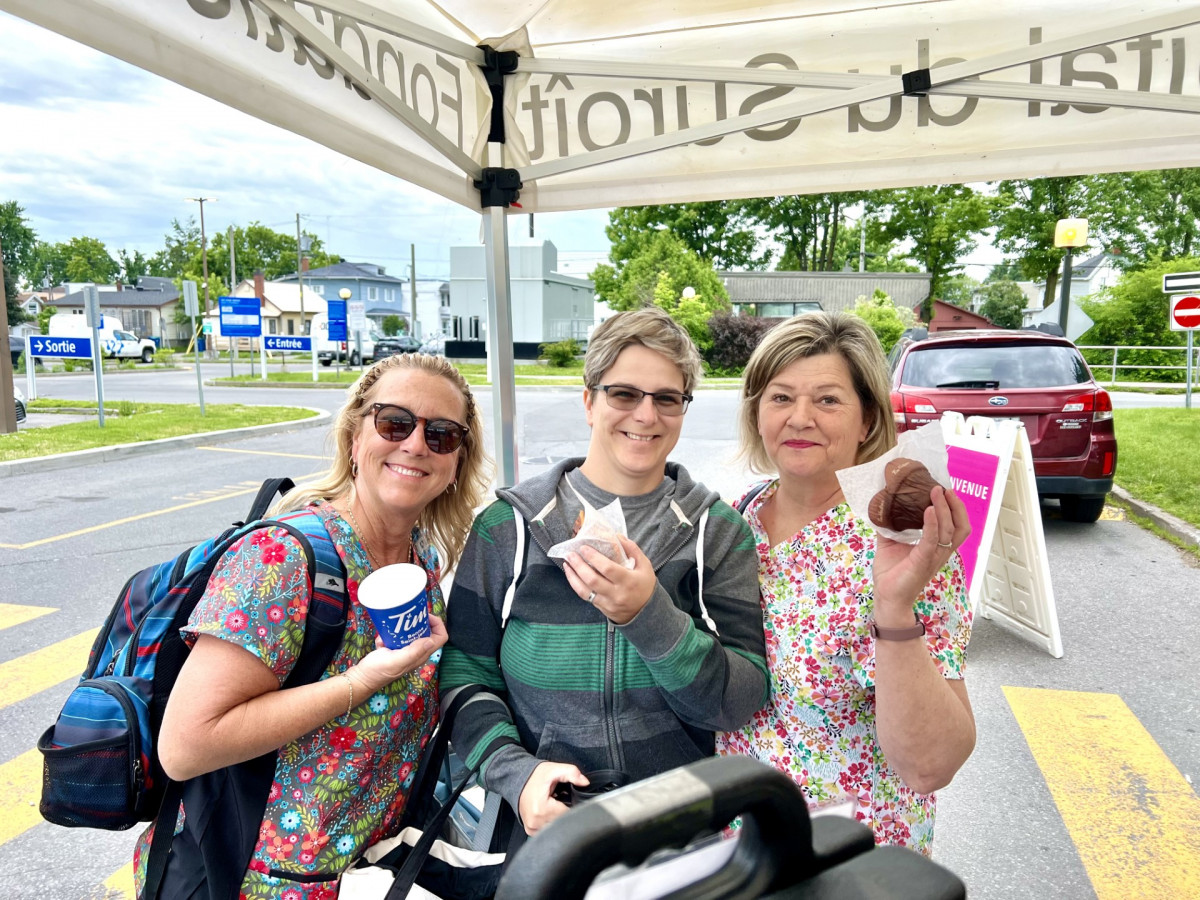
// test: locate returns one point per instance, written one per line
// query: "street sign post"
(91, 315)
(1185, 316)
(356, 321)
(191, 308)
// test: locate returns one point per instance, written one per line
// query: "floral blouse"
(341, 788)
(819, 724)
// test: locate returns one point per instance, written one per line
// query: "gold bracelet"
(349, 681)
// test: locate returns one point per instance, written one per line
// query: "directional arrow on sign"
(1185, 312)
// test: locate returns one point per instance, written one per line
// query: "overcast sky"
(90, 145)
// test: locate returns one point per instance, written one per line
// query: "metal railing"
(1116, 350)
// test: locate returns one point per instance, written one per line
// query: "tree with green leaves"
(960, 290)
(132, 267)
(887, 320)
(1147, 215)
(81, 259)
(1005, 271)
(1003, 303)
(635, 284)
(1029, 209)
(18, 242)
(257, 247)
(180, 246)
(1133, 313)
(940, 222)
(806, 226)
(720, 232)
(393, 325)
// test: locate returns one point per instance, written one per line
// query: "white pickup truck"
(115, 342)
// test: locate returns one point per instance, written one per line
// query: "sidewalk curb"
(1175, 527)
(120, 451)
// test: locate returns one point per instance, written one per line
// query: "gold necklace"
(371, 558)
(362, 538)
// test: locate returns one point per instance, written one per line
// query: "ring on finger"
(946, 545)
(591, 598)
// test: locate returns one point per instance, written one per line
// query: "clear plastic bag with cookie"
(597, 528)
(892, 492)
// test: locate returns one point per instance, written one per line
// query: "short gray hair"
(650, 327)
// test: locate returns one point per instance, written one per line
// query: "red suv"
(1038, 378)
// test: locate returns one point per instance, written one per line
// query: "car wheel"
(353, 358)
(326, 362)
(1082, 509)
(147, 355)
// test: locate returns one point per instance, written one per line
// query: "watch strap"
(915, 630)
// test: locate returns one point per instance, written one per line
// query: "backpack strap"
(324, 629)
(518, 564)
(744, 503)
(266, 496)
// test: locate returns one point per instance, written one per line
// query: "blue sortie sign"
(69, 347)
(240, 316)
(286, 343)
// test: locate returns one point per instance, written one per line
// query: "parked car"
(16, 346)
(20, 402)
(434, 345)
(1030, 375)
(390, 346)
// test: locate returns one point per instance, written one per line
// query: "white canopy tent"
(656, 102)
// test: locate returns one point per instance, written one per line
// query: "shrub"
(734, 339)
(164, 356)
(560, 353)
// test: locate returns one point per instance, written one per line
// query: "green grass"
(475, 373)
(126, 422)
(1157, 460)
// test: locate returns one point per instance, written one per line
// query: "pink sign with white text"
(973, 478)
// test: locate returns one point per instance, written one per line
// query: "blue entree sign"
(287, 343)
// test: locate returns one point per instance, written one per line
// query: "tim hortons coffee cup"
(396, 600)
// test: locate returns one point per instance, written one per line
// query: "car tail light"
(1109, 459)
(1097, 402)
(905, 405)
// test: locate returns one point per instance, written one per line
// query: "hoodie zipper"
(608, 698)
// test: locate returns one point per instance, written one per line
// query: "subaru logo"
(998, 401)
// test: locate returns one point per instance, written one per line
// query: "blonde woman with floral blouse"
(866, 637)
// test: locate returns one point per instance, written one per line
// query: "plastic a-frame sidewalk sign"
(1007, 568)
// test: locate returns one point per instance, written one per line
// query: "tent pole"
(500, 337)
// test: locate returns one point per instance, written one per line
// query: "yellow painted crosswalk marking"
(119, 885)
(34, 672)
(1132, 816)
(20, 790)
(12, 614)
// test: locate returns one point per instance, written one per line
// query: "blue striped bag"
(100, 767)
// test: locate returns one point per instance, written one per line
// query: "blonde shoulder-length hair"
(813, 334)
(447, 518)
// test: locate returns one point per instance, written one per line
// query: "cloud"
(94, 146)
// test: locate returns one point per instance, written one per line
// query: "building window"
(372, 293)
(272, 326)
(474, 334)
(457, 328)
(291, 326)
(319, 289)
(786, 310)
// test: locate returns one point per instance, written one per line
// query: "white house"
(546, 305)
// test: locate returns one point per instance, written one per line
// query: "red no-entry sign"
(1185, 312)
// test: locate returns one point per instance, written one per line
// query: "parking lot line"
(34, 672)
(1132, 816)
(20, 790)
(319, 456)
(11, 614)
(146, 515)
(119, 885)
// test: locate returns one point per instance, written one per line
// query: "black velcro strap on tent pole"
(916, 83)
(497, 64)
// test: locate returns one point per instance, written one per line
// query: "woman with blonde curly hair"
(409, 468)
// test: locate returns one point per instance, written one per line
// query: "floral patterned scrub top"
(341, 788)
(819, 724)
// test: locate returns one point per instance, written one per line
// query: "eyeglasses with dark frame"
(624, 397)
(395, 423)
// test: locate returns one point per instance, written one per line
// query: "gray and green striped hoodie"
(562, 683)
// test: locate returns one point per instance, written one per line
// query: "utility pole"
(204, 257)
(412, 286)
(8, 408)
(300, 273)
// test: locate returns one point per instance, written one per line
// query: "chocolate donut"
(905, 495)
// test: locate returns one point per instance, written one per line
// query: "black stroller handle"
(669, 810)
